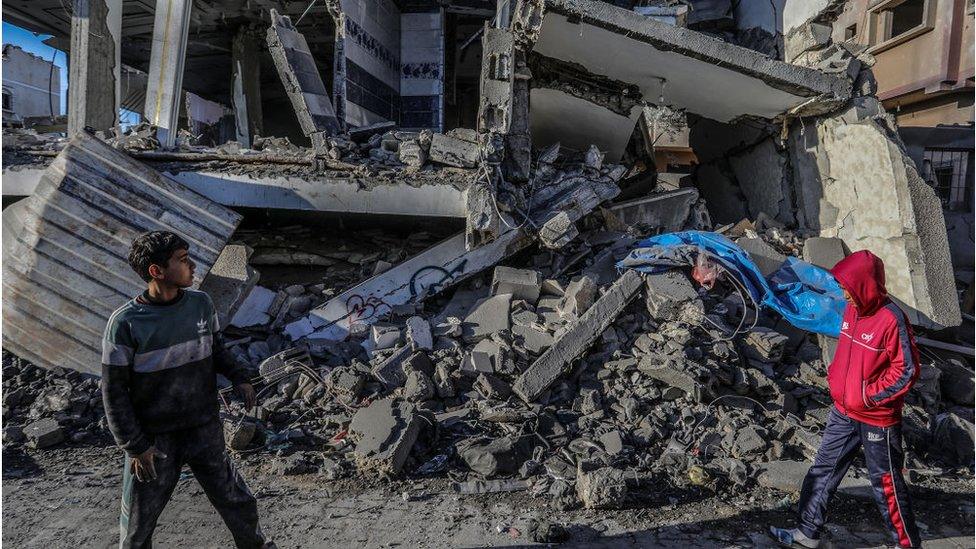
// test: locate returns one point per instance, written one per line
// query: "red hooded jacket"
(876, 361)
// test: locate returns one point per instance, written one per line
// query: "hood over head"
(862, 275)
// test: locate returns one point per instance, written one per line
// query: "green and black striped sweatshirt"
(159, 366)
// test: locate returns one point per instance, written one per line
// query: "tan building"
(925, 69)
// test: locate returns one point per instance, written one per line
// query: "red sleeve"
(903, 369)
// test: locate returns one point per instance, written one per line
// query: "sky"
(34, 43)
(28, 41)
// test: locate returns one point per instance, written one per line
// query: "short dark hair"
(154, 247)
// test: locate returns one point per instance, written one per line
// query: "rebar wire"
(302, 16)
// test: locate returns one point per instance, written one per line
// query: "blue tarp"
(807, 296)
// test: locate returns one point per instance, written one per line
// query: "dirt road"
(69, 497)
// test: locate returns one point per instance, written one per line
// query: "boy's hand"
(246, 390)
(143, 466)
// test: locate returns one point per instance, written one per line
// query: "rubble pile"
(555, 373)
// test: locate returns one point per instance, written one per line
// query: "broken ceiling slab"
(684, 67)
(301, 78)
(608, 130)
(444, 265)
(67, 271)
(332, 191)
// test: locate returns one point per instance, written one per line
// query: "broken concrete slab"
(688, 66)
(44, 433)
(787, 476)
(385, 432)
(230, 281)
(876, 200)
(823, 252)
(668, 292)
(297, 70)
(766, 258)
(764, 344)
(253, 310)
(418, 333)
(489, 316)
(390, 370)
(549, 367)
(604, 488)
(452, 151)
(495, 457)
(92, 202)
(666, 212)
(444, 264)
(521, 283)
(578, 297)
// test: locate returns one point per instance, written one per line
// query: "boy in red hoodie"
(875, 365)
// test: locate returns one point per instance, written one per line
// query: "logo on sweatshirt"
(874, 437)
(202, 327)
(844, 326)
(867, 337)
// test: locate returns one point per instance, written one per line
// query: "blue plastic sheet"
(805, 295)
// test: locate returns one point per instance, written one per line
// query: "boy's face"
(177, 272)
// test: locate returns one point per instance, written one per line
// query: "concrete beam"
(301, 78)
(164, 92)
(549, 367)
(94, 65)
(441, 266)
(246, 87)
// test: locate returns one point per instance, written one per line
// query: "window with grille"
(949, 171)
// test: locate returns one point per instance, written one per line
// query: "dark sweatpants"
(883, 454)
(202, 448)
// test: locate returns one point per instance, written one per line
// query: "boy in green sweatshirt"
(161, 354)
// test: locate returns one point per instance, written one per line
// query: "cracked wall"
(854, 181)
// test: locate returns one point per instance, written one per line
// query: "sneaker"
(794, 538)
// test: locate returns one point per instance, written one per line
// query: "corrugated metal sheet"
(65, 269)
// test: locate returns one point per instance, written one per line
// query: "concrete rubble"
(498, 345)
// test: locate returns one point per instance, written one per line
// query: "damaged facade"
(552, 135)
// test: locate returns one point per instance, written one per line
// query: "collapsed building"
(579, 127)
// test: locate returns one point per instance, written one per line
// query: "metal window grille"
(950, 172)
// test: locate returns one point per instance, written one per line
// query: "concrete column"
(246, 87)
(94, 66)
(164, 91)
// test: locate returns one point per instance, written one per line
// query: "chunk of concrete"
(823, 252)
(384, 336)
(489, 316)
(385, 432)
(579, 296)
(604, 488)
(253, 311)
(532, 340)
(481, 359)
(521, 283)
(764, 344)
(44, 433)
(390, 371)
(787, 476)
(452, 151)
(666, 293)
(549, 367)
(494, 457)
(490, 386)
(230, 281)
(766, 258)
(418, 333)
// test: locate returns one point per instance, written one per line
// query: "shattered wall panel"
(367, 61)
(65, 264)
(854, 181)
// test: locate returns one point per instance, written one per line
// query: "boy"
(875, 365)
(160, 356)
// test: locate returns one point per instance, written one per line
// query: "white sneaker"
(793, 537)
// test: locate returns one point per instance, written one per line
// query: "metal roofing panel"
(65, 250)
